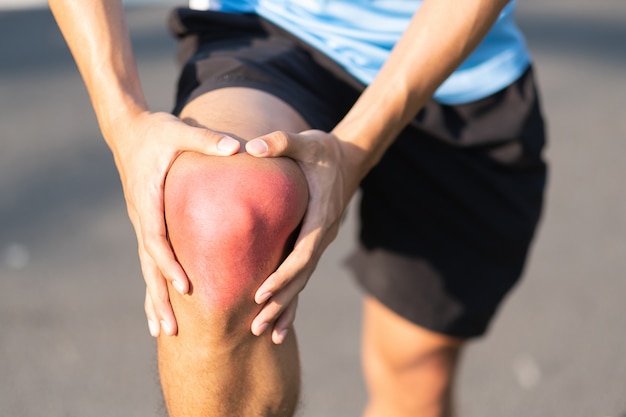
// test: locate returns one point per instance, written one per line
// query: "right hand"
(144, 147)
(333, 173)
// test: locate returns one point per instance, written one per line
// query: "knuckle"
(158, 292)
(281, 140)
(150, 242)
(269, 314)
(314, 150)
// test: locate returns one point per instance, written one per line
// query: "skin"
(231, 221)
(146, 144)
(408, 370)
(220, 201)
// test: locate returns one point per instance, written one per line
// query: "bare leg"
(408, 370)
(230, 220)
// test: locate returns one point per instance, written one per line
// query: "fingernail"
(228, 144)
(166, 327)
(179, 287)
(263, 297)
(154, 328)
(257, 147)
(261, 329)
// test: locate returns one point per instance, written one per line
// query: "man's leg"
(408, 370)
(230, 221)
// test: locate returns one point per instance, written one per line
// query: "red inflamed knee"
(231, 220)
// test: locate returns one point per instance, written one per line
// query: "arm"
(433, 46)
(144, 144)
(435, 43)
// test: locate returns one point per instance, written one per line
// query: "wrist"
(364, 142)
(121, 130)
(356, 162)
(117, 105)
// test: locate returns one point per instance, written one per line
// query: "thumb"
(207, 142)
(280, 143)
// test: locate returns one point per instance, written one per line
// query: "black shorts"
(448, 214)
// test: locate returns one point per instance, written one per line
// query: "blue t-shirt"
(359, 35)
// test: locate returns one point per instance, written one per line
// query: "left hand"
(327, 164)
(144, 146)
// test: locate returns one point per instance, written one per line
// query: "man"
(284, 109)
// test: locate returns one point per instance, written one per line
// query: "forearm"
(96, 33)
(432, 47)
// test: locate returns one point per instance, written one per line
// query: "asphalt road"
(73, 338)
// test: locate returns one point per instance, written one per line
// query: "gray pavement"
(73, 339)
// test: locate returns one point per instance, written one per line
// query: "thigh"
(450, 212)
(222, 50)
(243, 113)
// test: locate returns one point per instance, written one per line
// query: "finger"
(152, 317)
(153, 320)
(284, 322)
(301, 260)
(158, 294)
(153, 240)
(209, 142)
(296, 267)
(272, 310)
(156, 305)
(294, 145)
(160, 251)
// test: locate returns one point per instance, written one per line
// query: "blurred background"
(73, 337)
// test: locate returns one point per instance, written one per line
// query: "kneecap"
(230, 220)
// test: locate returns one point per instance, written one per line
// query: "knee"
(230, 220)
